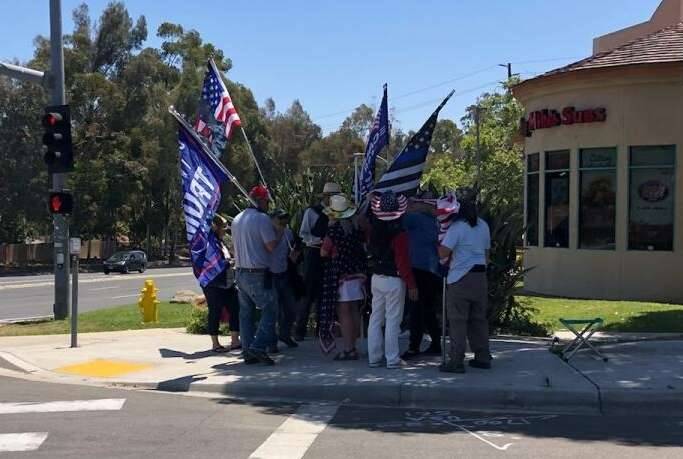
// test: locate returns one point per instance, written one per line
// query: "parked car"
(124, 262)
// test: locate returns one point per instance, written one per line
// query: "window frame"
(581, 169)
(674, 168)
(547, 171)
(537, 174)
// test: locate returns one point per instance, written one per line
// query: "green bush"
(198, 321)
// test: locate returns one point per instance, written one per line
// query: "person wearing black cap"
(279, 265)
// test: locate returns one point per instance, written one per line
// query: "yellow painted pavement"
(104, 368)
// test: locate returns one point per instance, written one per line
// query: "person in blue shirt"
(422, 228)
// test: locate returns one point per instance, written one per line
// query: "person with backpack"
(391, 275)
(313, 230)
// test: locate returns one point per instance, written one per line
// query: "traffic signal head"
(57, 139)
(60, 203)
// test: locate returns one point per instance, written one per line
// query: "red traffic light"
(51, 119)
(60, 203)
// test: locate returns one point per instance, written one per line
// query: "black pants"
(313, 278)
(216, 300)
(423, 312)
(285, 303)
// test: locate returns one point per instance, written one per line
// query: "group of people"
(386, 253)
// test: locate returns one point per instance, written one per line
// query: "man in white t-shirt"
(467, 242)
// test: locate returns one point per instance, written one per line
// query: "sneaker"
(299, 338)
(260, 356)
(249, 359)
(273, 349)
(396, 365)
(289, 342)
(479, 364)
(410, 354)
(375, 364)
(451, 367)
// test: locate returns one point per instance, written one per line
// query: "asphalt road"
(32, 296)
(133, 424)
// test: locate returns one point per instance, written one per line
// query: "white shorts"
(352, 290)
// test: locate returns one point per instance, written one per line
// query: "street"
(99, 422)
(33, 296)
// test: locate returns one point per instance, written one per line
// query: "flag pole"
(253, 156)
(207, 152)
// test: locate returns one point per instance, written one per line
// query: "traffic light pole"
(60, 222)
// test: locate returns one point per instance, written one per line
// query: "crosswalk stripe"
(27, 441)
(294, 436)
(105, 404)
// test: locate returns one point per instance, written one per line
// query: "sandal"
(234, 347)
(220, 350)
(347, 355)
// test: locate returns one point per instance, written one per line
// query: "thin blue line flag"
(202, 177)
(405, 173)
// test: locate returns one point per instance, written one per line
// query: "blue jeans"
(252, 294)
(286, 304)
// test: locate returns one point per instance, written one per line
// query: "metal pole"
(74, 303)
(60, 222)
(253, 156)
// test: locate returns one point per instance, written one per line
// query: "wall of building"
(644, 107)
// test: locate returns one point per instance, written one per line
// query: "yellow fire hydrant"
(148, 303)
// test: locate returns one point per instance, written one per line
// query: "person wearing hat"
(279, 264)
(391, 275)
(254, 239)
(343, 278)
(467, 242)
(313, 229)
(221, 293)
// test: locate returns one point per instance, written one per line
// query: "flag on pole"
(217, 117)
(378, 139)
(403, 176)
(202, 177)
(447, 208)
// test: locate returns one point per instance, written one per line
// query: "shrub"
(198, 321)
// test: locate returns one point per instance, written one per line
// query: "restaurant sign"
(545, 119)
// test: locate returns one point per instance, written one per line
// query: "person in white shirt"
(312, 232)
(467, 242)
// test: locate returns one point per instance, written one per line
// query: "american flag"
(447, 208)
(378, 139)
(389, 206)
(404, 174)
(217, 115)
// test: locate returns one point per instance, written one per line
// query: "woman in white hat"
(343, 278)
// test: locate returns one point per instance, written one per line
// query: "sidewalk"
(525, 375)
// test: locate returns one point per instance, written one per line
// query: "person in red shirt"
(391, 275)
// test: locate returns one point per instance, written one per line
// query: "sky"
(334, 55)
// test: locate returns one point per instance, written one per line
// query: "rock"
(184, 296)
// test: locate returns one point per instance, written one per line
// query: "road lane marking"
(124, 296)
(27, 441)
(296, 435)
(105, 404)
(102, 288)
(96, 280)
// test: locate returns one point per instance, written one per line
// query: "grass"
(619, 316)
(111, 319)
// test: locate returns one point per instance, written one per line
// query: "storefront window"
(651, 198)
(532, 199)
(597, 206)
(557, 198)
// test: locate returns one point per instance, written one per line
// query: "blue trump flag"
(404, 174)
(202, 177)
(378, 139)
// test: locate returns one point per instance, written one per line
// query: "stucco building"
(604, 167)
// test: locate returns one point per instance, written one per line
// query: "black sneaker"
(273, 349)
(289, 342)
(433, 350)
(260, 356)
(249, 359)
(299, 338)
(410, 354)
(452, 368)
(479, 364)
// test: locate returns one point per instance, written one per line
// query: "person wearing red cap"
(254, 239)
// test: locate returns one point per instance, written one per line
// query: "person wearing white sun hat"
(343, 278)
(313, 228)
